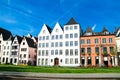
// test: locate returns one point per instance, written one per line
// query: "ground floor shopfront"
(99, 60)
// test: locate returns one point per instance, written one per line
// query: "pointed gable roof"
(5, 33)
(71, 21)
(49, 29)
(19, 39)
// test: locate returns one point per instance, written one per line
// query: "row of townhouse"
(66, 46)
(17, 50)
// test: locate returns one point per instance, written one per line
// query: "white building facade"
(60, 46)
(5, 45)
(15, 50)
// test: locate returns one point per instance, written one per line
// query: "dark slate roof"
(19, 39)
(30, 42)
(105, 29)
(49, 29)
(12, 38)
(71, 21)
(5, 33)
(36, 38)
(89, 30)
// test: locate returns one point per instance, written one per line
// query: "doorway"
(106, 63)
(56, 61)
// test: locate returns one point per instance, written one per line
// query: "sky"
(28, 16)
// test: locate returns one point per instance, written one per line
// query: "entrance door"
(106, 61)
(11, 61)
(56, 62)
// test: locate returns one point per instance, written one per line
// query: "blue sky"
(28, 16)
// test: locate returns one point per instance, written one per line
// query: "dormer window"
(106, 32)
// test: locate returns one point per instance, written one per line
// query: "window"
(8, 47)
(75, 27)
(66, 52)
(71, 27)
(39, 53)
(88, 41)
(61, 36)
(52, 44)
(52, 37)
(82, 41)
(66, 35)
(76, 43)
(61, 44)
(7, 52)
(71, 43)
(66, 43)
(76, 52)
(43, 37)
(29, 55)
(4, 47)
(47, 45)
(83, 50)
(96, 41)
(46, 61)
(23, 49)
(43, 52)
(66, 60)
(111, 49)
(46, 52)
(52, 52)
(110, 40)
(20, 55)
(15, 42)
(76, 60)
(89, 60)
(71, 52)
(96, 49)
(47, 37)
(75, 35)
(71, 35)
(39, 45)
(43, 45)
(56, 36)
(56, 44)
(56, 52)
(43, 31)
(24, 55)
(23, 43)
(57, 30)
(105, 50)
(66, 28)
(14, 47)
(88, 50)
(15, 60)
(71, 60)
(103, 40)
(40, 38)
(14, 53)
(60, 51)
